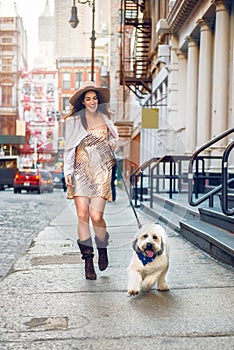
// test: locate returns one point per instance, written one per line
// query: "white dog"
(150, 260)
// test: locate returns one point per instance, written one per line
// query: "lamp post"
(74, 21)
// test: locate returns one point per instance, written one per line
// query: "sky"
(30, 10)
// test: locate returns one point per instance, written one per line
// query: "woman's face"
(90, 101)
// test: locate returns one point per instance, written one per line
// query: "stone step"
(217, 242)
(217, 217)
(169, 212)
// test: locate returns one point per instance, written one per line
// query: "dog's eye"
(145, 236)
(155, 237)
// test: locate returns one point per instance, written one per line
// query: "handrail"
(139, 173)
(143, 166)
(225, 180)
(171, 159)
(211, 142)
(190, 171)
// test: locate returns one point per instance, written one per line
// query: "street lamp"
(74, 21)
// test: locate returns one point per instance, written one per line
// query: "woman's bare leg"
(97, 206)
(85, 241)
(82, 210)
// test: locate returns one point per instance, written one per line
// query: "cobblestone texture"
(22, 217)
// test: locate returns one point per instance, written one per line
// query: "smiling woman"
(88, 166)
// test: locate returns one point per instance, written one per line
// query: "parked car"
(59, 180)
(32, 180)
(7, 177)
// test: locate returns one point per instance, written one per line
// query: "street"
(22, 217)
(46, 303)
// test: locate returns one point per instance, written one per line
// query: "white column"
(220, 70)
(204, 85)
(182, 79)
(182, 76)
(172, 96)
(191, 97)
(231, 109)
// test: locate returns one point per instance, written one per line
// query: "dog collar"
(145, 259)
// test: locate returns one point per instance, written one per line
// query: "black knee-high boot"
(86, 249)
(102, 252)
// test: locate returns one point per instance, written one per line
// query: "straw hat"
(104, 93)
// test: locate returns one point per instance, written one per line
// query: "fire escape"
(135, 47)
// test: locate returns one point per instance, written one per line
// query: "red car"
(32, 180)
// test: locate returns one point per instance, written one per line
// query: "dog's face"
(149, 240)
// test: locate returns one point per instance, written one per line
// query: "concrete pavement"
(46, 303)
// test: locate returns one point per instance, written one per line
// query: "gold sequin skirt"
(93, 167)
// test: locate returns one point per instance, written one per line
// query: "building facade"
(187, 72)
(13, 58)
(38, 114)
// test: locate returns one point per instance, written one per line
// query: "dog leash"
(125, 186)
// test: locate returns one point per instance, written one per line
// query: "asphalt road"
(22, 217)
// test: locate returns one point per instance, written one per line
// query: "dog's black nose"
(149, 246)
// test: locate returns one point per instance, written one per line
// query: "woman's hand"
(68, 180)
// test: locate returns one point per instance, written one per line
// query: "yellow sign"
(20, 127)
(149, 118)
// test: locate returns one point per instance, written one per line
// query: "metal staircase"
(134, 71)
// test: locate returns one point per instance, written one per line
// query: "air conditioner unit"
(162, 27)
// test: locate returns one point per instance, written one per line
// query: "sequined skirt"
(93, 167)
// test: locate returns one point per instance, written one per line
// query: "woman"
(88, 168)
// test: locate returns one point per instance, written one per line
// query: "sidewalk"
(46, 303)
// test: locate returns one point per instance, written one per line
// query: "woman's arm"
(69, 157)
(113, 135)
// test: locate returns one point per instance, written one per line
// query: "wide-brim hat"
(103, 93)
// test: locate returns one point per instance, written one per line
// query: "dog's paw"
(133, 292)
(163, 288)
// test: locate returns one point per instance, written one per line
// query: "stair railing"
(142, 173)
(224, 180)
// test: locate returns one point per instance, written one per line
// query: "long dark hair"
(79, 108)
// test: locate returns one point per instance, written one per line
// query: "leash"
(125, 186)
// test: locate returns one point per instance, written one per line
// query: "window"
(6, 64)
(66, 81)
(6, 95)
(66, 104)
(89, 76)
(7, 40)
(78, 80)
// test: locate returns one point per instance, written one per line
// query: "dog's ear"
(162, 246)
(135, 245)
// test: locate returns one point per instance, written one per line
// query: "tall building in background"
(70, 42)
(45, 57)
(75, 42)
(13, 59)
